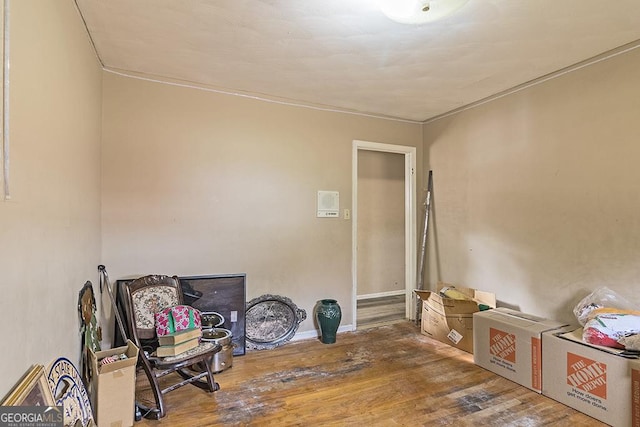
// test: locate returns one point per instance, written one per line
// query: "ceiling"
(346, 55)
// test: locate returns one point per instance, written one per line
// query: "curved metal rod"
(104, 278)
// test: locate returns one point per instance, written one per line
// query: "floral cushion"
(149, 301)
(204, 346)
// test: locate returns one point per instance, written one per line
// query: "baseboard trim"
(316, 334)
(381, 294)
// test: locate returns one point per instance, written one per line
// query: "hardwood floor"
(383, 376)
(373, 312)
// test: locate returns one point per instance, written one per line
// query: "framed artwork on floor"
(31, 390)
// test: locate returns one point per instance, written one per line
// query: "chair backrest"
(147, 296)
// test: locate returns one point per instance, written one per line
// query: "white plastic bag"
(600, 298)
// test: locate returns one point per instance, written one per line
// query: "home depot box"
(113, 386)
(508, 343)
(598, 383)
(451, 320)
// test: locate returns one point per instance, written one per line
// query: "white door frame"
(409, 220)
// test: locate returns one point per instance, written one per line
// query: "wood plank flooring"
(384, 376)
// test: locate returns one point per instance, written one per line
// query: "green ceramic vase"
(328, 315)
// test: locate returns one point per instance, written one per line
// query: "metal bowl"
(217, 335)
(211, 319)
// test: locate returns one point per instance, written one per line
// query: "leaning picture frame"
(32, 390)
(224, 294)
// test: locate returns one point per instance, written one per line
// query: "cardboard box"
(113, 387)
(508, 343)
(451, 320)
(598, 383)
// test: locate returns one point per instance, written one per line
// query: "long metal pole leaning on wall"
(5, 101)
(423, 246)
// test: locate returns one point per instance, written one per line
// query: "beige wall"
(196, 183)
(50, 229)
(536, 195)
(381, 207)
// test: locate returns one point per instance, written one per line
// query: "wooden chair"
(145, 297)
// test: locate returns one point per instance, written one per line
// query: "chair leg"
(157, 392)
(213, 386)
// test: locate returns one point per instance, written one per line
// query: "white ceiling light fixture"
(419, 11)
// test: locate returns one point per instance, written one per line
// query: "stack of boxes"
(546, 356)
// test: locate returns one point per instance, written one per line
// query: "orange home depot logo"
(586, 374)
(502, 345)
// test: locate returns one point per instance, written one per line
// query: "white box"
(598, 383)
(508, 343)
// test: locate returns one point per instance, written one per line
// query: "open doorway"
(384, 250)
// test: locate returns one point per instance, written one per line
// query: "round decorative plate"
(271, 320)
(69, 392)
